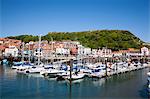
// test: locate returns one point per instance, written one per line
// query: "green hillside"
(114, 39)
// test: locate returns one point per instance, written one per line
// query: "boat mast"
(29, 53)
(52, 50)
(22, 52)
(39, 47)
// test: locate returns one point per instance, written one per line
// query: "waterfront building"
(62, 51)
(145, 51)
(104, 52)
(10, 42)
(1, 42)
(80, 50)
(46, 50)
(2, 49)
(31, 42)
(87, 51)
(38, 52)
(11, 50)
(94, 52)
(74, 51)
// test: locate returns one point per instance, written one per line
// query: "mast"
(52, 50)
(22, 52)
(39, 47)
(29, 53)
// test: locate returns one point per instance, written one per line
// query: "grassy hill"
(114, 39)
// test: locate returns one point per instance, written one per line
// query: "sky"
(36, 17)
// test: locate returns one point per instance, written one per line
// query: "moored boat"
(76, 76)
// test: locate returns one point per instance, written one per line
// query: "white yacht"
(99, 71)
(35, 69)
(51, 73)
(25, 66)
(16, 66)
(75, 76)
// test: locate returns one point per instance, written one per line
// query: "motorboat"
(25, 66)
(63, 75)
(16, 66)
(76, 76)
(85, 70)
(145, 64)
(51, 73)
(47, 66)
(35, 69)
(5, 62)
(98, 72)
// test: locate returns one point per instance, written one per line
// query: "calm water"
(125, 86)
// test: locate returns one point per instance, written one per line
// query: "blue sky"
(42, 16)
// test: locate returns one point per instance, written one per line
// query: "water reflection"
(35, 75)
(70, 89)
(144, 92)
(99, 82)
(132, 85)
(7, 72)
(1, 70)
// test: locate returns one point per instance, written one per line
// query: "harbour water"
(131, 85)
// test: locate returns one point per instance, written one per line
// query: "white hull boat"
(51, 73)
(35, 70)
(76, 76)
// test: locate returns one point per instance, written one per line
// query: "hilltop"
(114, 39)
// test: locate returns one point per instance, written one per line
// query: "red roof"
(2, 47)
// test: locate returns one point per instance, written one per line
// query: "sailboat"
(76, 76)
(17, 65)
(26, 65)
(37, 68)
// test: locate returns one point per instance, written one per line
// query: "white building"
(80, 50)
(87, 51)
(104, 52)
(94, 51)
(62, 51)
(144, 51)
(38, 53)
(12, 50)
